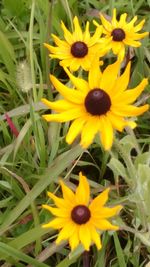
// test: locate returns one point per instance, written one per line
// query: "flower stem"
(86, 259)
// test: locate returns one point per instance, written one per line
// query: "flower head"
(121, 33)
(78, 218)
(78, 48)
(99, 105)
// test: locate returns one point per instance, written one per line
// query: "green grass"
(33, 162)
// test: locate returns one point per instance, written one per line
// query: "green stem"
(86, 259)
(48, 34)
(68, 11)
(31, 50)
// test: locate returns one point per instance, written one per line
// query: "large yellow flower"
(121, 33)
(78, 48)
(98, 105)
(78, 218)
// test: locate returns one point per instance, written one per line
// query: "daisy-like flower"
(78, 218)
(78, 48)
(100, 104)
(121, 33)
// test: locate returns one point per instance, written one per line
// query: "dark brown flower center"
(118, 35)
(79, 49)
(97, 102)
(80, 214)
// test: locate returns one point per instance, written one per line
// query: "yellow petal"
(64, 116)
(89, 131)
(79, 83)
(137, 36)
(131, 42)
(117, 122)
(100, 200)
(78, 36)
(59, 52)
(106, 24)
(83, 191)
(95, 237)
(62, 55)
(67, 193)
(96, 23)
(139, 26)
(131, 95)
(122, 21)
(104, 224)
(75, 129)
(114, 21)
(86, 35)
(131, 23)
(122, 81)
(121, 53)
(68, 36)
(57, 223)
(51, 48)
(109, 76)
(131, 124)
(116, 47)
(106, 133)
(66, 62)
(96, 36)
(95, 74)
(59, 202)
(66, 232)
(59, 105)
(71, 95)
(86, 63)
(61, 212)
(74, 239)
(85, 236)
(104, 212)
(75, 64)
(129, 110)
(61, 43)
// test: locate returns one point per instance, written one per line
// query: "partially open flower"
(121, 33)
(79, 219)
(79, 48)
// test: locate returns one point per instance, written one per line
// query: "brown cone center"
(79, 49)
(80, 214)
(97, 102)
(118, 35)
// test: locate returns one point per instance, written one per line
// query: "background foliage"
(32, 161)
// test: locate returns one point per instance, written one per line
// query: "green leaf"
(117, 167)
(119, 251)
(15, 8)
(18, 255)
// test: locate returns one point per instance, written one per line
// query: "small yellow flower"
(78, 219)
(78, 48)
(96, 106)
(121, 33)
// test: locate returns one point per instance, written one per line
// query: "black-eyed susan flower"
(98, 105)
(120, 33)
(78, 219)
(78, 48)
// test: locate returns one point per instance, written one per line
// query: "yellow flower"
(121, 33)
(78, 48)
(98, 105)
(78, 219)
